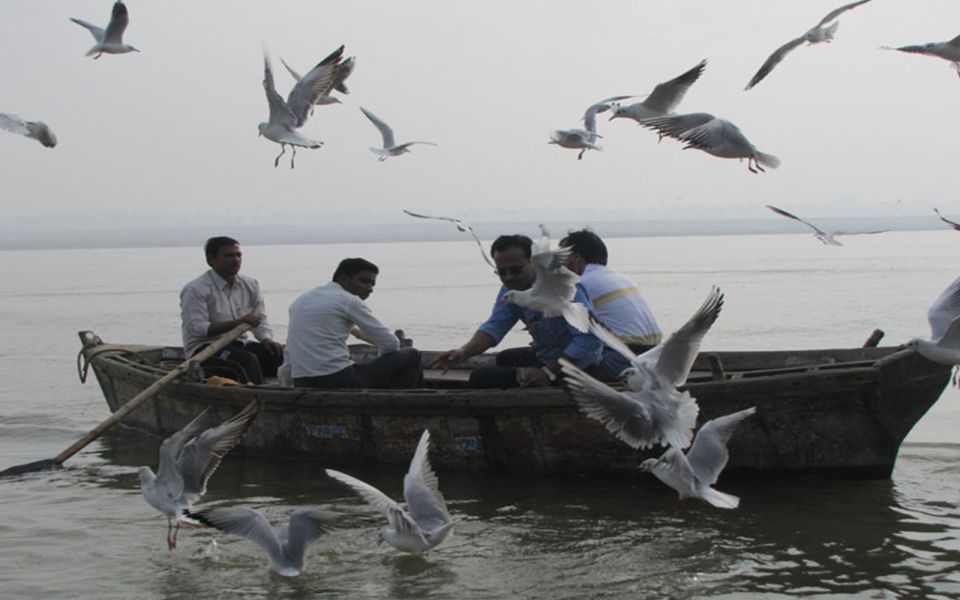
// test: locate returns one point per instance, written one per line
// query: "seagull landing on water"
(287, 117)
(461, 226)
(344, 71)
(719, 137)
(821, 32)
(585, 139)
(953, 224)
(187, 461)
(827, 237)
(390, 147)
(554, 288)
(664, 98)
(949, 51)
(426, 522)
(693, 474)
(286, 546)
(110, 40)
(944, 317)
(36, 130)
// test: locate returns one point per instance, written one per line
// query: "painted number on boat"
(327, 432)
(468, 442)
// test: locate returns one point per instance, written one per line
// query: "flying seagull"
(109, 41)
(694, 474)
(664, 98)
(187, 460)
(554, 288)
(827, 237)
(36, 130)
(390, 147)
(286, 546)
(949, 51)
(344, 71)
(821, 32)
(287, 117)
(585, 139)
(461, 226)
(944, 317)
(953, 224)
(426, 521)
(719, 137)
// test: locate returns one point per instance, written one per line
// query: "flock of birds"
(701, 131)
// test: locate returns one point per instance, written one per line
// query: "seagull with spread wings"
(664, 98)
(949, 51)
(426, 521)
(35, 130)
(461, 226)
(187, 460)
(821, 32)
(344, 71)
(713, 135)
(944, 317)
(827, 237)
(109, 40)
(390, 147)
(585, 139)
(288, 116)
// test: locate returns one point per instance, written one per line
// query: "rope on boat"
(83, 366)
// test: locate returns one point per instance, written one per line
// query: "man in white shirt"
(616, 299)
(322, 319)
(219, 300)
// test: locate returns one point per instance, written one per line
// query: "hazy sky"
(169, 135)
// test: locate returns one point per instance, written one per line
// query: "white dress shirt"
(211, 299)
(618, 304)
(320, 322)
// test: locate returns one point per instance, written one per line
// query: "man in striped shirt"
(616, 299)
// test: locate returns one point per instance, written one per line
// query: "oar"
(130, 406)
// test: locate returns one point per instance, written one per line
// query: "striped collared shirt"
(618, 304)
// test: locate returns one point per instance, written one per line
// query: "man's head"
(223, 256)
(586, 248)
(357, 276)
(511, 254)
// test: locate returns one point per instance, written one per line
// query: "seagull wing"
(836, 233)
(590, 115)
(715, 136)
(953, 224)
(944, 311)
(118, 23)
(95, 31)
(296, 76)
(384, 129)
(676, 125)
(914, 49)
(709, 454)
(168, 469)
(318, 82)
(833, 14)
(305, 526)
(666, 96)
(611, 340)
(42, 133)
(680, 350)
(203, 454)
(784, 213)
(421, 489)
(280, 113)
(243, 521)
(955, 42)
(772, 61)
(13, 124)
(462, 227)
(395, 515)
(346, 68)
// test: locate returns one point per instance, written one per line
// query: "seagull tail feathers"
(719, 499)
(768, 160)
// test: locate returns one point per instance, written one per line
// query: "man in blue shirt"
(553, 337)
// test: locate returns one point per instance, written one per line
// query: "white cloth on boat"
(320, 322)
(212, 299)
(618, 304)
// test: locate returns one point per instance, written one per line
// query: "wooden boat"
(829, 412)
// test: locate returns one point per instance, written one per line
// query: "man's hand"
(273, 347)
(252, 319)
(443, 360)
(537, 378)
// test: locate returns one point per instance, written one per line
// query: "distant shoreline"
(428, 231)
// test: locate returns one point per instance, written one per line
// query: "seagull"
(37, 130)
(585, 139)
(671, 360)
(827, 237)
(554, 288)
(461, 226)
(944, 317)
(658, 414)
(285, 546)
(693, 474)
(187, 460)
(109, 41)
(286, 117)
(346, 68)
(821, 32)
(953, 224)
(949, 51)
(390, 147)
(427, 523)
(664, 98)
(719, 137)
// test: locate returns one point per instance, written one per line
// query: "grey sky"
(169, 135)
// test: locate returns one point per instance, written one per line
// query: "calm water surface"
(85, 532)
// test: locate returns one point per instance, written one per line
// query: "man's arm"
(480, 342)
(501, 320)
(372, 329)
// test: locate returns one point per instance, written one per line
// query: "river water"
(85, 532)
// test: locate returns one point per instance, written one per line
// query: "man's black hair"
(351, 266)
(588, 245)
(213, 245)
(512, 241)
